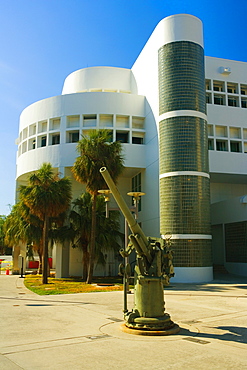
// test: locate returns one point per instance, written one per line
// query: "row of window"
(225, 138)
(74, 136)
(229, 87)
(226, 93)
(227, 131)
(82, 121)
(227, 145)
(231, 101)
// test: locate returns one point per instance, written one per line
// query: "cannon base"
(162, 325)
(174, 329)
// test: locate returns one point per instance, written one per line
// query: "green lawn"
(72, 285)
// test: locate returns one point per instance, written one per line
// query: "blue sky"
(42, 41)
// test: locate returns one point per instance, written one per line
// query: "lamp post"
(106, 193)
(136, 197)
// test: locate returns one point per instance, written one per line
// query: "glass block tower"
(183, 145)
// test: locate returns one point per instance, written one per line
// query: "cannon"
(153, 270)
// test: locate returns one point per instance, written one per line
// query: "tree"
(47, 196)
(4, 249)
(96, 151)
(107, 232)
(21, 226)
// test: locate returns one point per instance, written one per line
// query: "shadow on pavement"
(230, 334)
(221, 283)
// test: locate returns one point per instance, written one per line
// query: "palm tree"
(21, 226)
(2, 244)
(107, 232)
(80, 221)
(96, 151)
(47, 196)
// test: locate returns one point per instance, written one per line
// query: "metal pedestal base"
(162, 325)
(172, 330)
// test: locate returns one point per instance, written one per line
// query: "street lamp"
(136, 197)
(106, 193)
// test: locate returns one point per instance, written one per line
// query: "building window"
(232, 101)
(89, 120)
(232, 88)
(219, 86)
(243, 89)
(31, 144)
(24, 147)
(55, 139)
(123, 137)
(235, 147)
(243, 103)
(208, 98)
(122, 121)
(208, 84)
(24, 133)
(210, 130)
(32, 130)
(235, 132)
(43, 141)
(55, 124)
(219, 99)
(221, 131)
(106, 120)
(137, 140)
(221, 146)
(138, 122)
(73, 121)
(210, 144)
(42, 126)
(72, 137)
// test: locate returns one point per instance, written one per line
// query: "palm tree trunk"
(92, 241)
(45, 251)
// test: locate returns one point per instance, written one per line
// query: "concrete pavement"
(82, 331)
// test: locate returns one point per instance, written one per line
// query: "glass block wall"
(183, 147)
(181, 77)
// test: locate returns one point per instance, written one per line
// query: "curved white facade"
(98, 79)
(50, 128)
(92, 98)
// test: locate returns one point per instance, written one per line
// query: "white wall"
(104, 78)
(64, 154)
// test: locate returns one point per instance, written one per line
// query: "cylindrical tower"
(183, 147)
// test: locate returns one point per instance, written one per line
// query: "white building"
(127, 102)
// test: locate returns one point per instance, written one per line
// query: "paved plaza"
(82, 331)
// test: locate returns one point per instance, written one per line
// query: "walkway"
(81, 331)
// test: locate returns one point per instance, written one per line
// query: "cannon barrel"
(133, 225)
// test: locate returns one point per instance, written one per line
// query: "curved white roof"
(100, 78)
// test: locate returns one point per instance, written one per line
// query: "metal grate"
(195, 340)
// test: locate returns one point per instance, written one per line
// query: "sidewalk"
(81, 331)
